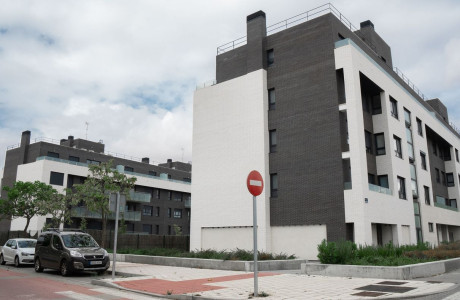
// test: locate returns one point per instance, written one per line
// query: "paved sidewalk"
(188, 283)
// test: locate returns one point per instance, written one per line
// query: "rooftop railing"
(311, 14)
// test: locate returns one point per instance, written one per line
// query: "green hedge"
(347, 252)
(237, 254)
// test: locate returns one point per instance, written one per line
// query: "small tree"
(95, 192)
(30, 199)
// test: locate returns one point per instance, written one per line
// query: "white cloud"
(129, 68)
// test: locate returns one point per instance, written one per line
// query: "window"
(157, 193)
(430, 227)
(443, 178)
(435, 151)
(274, 185)
(129, 169)
(273, 142)
(368, 138)
(407, 117)
(74, 158)
(456, 155)
(379, 144)
(147, 210)
(52, 154)
(401, 188)
(423, 160)
(371, 178)
(147, 228)
(394, 107)
(419, 127)
(57, 178)
(152, 173)
(270, 57)
(169, 212)
(178, 213)
(169, 176)
(450, 179)
(383, 181)
(413, 176)
(93, 162)
(157, 212)
(436, 170)
(271, 99)
(186, 179)
(178, 197)
(427, 195)
(169, 195)
(397, 146)
(453, 203)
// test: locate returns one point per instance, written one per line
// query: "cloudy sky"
(129, 68)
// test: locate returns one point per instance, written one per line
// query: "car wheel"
(2, 261)
(38, 266)
(17, 264)
(64, 268)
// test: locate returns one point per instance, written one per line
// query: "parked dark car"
(69, 251)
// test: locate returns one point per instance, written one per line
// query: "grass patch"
(237, 254)
(346, 252)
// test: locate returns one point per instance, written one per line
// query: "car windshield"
(79, 241)
(27, 244)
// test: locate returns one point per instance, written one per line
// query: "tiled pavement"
(219, 284)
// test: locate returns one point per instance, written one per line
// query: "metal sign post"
(117, 212)
(254, 226)
(255, 184)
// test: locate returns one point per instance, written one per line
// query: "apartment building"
(159, 203)
(348, 148)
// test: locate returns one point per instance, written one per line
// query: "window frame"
(270, 57)
(426, 190)
(271, 99)
(423, 160)
(394, 108)
(273, 140)
(56, 176)
(379, 150)
(274, 185)
(419, 127)
(397, 147)
(402, 188)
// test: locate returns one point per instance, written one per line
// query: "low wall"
(402, 272)
(232, 265)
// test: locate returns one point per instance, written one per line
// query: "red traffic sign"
(255, 183)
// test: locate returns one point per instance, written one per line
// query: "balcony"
(139, 197)
(83, 212)
(441, 205)
(379, 189)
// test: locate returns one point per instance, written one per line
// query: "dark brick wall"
(435, 161)
(308, 158)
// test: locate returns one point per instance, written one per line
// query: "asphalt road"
(452, 276)
(25, 283)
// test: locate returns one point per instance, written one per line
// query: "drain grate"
(368, 294)
(386, 288)
(392, 282)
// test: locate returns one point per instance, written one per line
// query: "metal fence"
(126, 240)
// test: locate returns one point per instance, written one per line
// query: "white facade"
(395, 213)
(40, 170)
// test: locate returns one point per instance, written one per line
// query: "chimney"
(145, 160)
(62, 142)
(70, 138)
(367, 23)
(25, 138)
(256, 40)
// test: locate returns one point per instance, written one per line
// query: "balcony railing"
(380, 189)
(441, 205)
(347, 186)
(139, 197)
(83, 212)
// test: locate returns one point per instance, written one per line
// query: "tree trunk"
(27, 224)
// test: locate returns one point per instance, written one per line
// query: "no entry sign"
(255, 183)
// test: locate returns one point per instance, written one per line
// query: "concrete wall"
(230, 138)
(302, 241)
